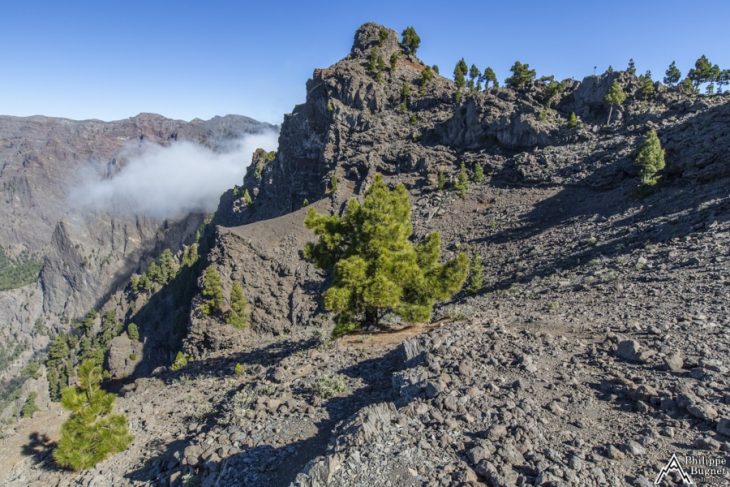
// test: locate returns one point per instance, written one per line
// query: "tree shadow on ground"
(40, 449)
(268, 464)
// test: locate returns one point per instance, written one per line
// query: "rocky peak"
(374, 36)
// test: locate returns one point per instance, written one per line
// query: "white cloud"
(168, 182)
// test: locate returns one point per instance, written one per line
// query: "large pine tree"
(92, 431)
(377, 269)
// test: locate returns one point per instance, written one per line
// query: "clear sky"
(112, 59)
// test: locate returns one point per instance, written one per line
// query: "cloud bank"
(168, 182)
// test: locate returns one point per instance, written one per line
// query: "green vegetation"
(181, 360)
(376, 64)
(239, 369)
(573, 120)
(462, 180)
(247, 200)
(133, 332)
(59, 364)
(382, 35)
(490, 77)
(92, 432)
(476, 275)
(646, 85)
(460, 71)
(190, 255)
(212, 292)
(239, 314)
(703, 72)
(393, 61)
(650, 158)
(19, 271)
(614, 97)
(426, 76)
(631, 68)
(672, 75)
(158, 273)
(441, 184)
(332, 385)
(29, 406)
(478, 173)
(475, 82)
(377, 269)
(330, 108)
(333, 183)
(410, 40)
(521, 75)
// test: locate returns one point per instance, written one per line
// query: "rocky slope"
(595, 350)
(84, 255)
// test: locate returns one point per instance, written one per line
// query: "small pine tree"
(573, 120)
(672, 75)
(212, 292)
(702, 72)
(134, 283)
(377, 269)
(631, 68)
(238, 315)
(58, 365)
(247, 198)
(462, 181)
(521, 75)
(92, 432)
(474, 77)
(490, 77)
(441, 185)
(190, 255)
(426, 76)
(393, 61)
(478, 173)
(475, 281)
(29, 406)
(650, 159)
(133, 332)
(646, 85)
(410, 40)
(460, 71)
(181, 360)
(614, 97)
(333, 183)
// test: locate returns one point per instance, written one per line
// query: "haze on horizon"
(111, 61)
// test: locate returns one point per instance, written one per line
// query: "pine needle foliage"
(92, 432)
(377, 269)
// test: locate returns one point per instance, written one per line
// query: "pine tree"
(168, 266)
(650, 158)
(377, 269)
(474, 81)
(212, 292)
(92, 432)
(672, 75)
(521, 75)
(181, 360)
(238, 315)
(410, 40)
(723, 79)
(58, 365)
(426, 76)
(573, 120)
(460, 71)
(702, 72)
(462, 181)
(478, 173)
(631, 69)
(646, 85)
(393, 61)
(333, 183)
(190, 255)
(615, 96)
(476, 275)
(29, 406)
(490, 76)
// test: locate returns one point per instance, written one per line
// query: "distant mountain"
(80, 256)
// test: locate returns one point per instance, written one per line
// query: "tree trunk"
(372, 317)
(610, 112)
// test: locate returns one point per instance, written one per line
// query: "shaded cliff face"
(86, 254)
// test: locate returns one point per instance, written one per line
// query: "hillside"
(595, 348)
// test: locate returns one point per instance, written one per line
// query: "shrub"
(239, 369)
(212, 292)
(247, 197)
(181, 360)
(650, 158)
(133, 332)
(92, 431)
(393, 61)
(333, 183)
(377, 269)
(331, 385)
(441, 181)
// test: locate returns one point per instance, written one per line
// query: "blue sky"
(113, 59)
